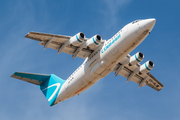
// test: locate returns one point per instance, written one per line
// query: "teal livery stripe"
(111, 43)
(147, 67)
(137, 59)
(78, 39)
(51, 88)
(95, 41)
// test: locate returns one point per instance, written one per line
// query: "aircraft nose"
(149, 23)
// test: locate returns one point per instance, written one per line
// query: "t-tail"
(50, 85)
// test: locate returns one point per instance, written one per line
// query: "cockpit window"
(135, 21)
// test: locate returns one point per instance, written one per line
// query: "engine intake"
(146, 67)
(77, 39)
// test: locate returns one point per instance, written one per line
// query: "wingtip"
(26, 36)
(12, 75)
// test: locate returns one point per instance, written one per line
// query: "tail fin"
(50, 85)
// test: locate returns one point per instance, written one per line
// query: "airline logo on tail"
(51, 88)
(57, 85)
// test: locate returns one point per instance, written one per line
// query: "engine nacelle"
(138, 57)
(77, 39)
(146, 67)
(94, 41)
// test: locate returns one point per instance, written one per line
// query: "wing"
(58, 42)
(130, 73)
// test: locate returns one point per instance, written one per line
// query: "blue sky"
(111, 97)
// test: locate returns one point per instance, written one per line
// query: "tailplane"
(50, 85)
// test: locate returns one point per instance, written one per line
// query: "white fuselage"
(101, 62)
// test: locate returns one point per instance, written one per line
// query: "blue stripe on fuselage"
(112, 42)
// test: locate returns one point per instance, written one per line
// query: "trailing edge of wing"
(154, 83)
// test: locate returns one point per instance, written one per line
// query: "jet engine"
(138, 57)
(146, 67)
(94, 41)
(77, 39)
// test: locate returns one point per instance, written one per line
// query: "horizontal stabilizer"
(31, 77)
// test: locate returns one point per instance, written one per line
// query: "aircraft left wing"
(61, 44)
(132, 74)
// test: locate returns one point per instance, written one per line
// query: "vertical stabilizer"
(51, 88)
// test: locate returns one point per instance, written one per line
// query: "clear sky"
(111, 98)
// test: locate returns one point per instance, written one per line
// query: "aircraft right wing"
(61, 44)
(132, 73)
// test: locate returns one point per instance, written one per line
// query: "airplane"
(101, 58)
